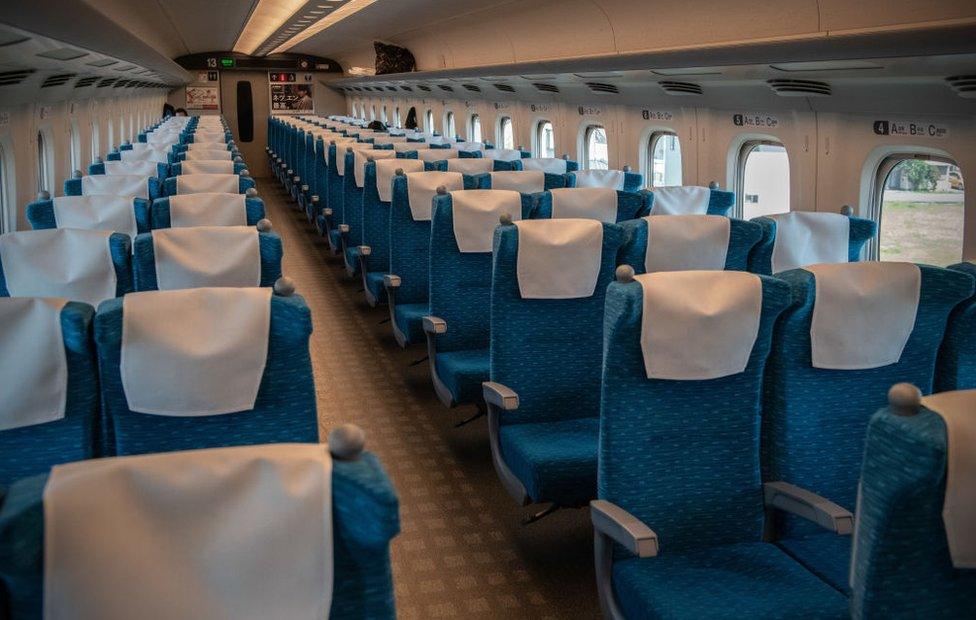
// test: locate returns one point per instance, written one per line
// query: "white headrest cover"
(404, 147)
(207, 166)
(386, 170)
(34, 381)
(132, 185)
(527, 182)
(681, 200)
(476, 214)
(613, 179)
(431, 139)
(552, 165)
(362, 157)
(470, 147)
(160, 156)
(208, 154)
(958, 411)
(203, 256)
(242, 532)
(863, 313)
(389, 139)
(592, 203)
(207, 209)
(437, 154)
(343, 149)
(699, 325)
(208, 145)
(193, 183)
(209, 136)
(163, 139)
(191, 352)
(805, 238)
(503, 154)
(141, 168)
(422, 187)
(63, 262)
(686, 242)
(110, 213)
(558, 259)
(470, 165)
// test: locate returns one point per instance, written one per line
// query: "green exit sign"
(227, 63)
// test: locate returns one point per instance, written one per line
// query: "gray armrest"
(624, 528)
(365, 250)
(391, 281)
(500, 396)
(327, 212)
(812, 507)
(435, 325)
(344, 229)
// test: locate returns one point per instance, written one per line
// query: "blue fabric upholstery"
(169, 185)
(956, 368)
(72, 187)
(29, 450)
(144, 261)
(552, 181)
(40, 214)
(408, 320)
(823, 554)
(549, 352)
(761, 259)
(120, 246)
(254, 208)
(460, 294)
(902, 568)
(814, 419)
(375, 234)
(335, 197)
(633, 181)
(162, 170)
(630, 205)
(283, 412)
(743, 236)
(177, 168)
(365, 517)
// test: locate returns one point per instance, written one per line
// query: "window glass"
(44, 181)
(74, 150)
(595, 143)
(450, 130)
(94, 141)
(663, 160)
(507, 133)
(922, 212)
(429, 124)
(111, 138)
(3, 190)
(383, 114)
(474, 135)
(396, 118)
(372, 112)
(545, 140)
(765, 180)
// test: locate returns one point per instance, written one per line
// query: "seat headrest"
(422, 187)
(807, 238)
(592, 203)
(207, 209)
(525, 181)
(476, 214)
(681, 200)
(503, 154)
(404, 147)
(206, 256)
(208, 155)
(141, 168)
(99, 212)
(687, 242)
(193, 183)
(363, 156)
(386, 170)
(552, 165)
(437, 154)
(613, 179)
(131, 185)
(470, 165)
(558, 259)
(207, 166)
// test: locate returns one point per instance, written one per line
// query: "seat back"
(549, 349)
(136, 186)
(460, 280)
(49, 390)
(377, 196)
(793, 240)
(144, 167)
(353, 183)
(196, 183)
(902, 564)
(620, 180)
(599, 203)
(691, 200)
(956, 369)
(660, 426)
(208, 166)
(524, 181)
(80, 265)
(814, 418)
(205, 155)
(688, 242)
(207, 209)
(200, 256)
(129, 216)
(185, 383)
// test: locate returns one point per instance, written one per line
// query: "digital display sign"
(227, 63)
(281, 77)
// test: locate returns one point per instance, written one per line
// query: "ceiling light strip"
(266, 19)
(349, 8)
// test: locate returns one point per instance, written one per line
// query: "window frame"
(44, 145)
(472, 119)
(449, 125)
(95, 146)
(585, 134)
(745, 149)
(397, 121)
(6, 177)
(74, 148)
(537, 138)
(500, 132)
(650, 145)
(429, 121)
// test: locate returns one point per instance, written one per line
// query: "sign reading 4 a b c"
(909, 128)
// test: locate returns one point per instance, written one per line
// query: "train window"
(111, 137)
(545, 140)
(4, 175)
(429, 121)
(396, 117)
(383, 114)
(372, 112)
(94, 141)
(44, 177)
(474, 128)
(122, 136)
(595, 154)
(506, 133)
(662, 163)
(920, 199)
(74, 147)
(764, 179)
(450, 129)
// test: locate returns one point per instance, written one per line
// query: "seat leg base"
(420, 361)
(542, 514)
(482, 412)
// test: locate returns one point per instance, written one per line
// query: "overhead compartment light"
(63, 53)
(266, 18)
(346, 9)
(826, 65)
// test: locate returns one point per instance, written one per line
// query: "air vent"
(472, 88)
(445, 88)
(680, 88)
(505, 88)
(57, 80)
(9, 78)
(546, 88)
(63, 53)
(423, 87)
(602, 88)
(964, 85)
(391, 88)
(407, 88)
(86, 81)
(121, 83)
(106, 82)
(799, 88)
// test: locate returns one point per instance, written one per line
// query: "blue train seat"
(688, 243)
(691, 200)
(143, 167)
(598, 203)
(620, 180)
(796, 239)
(123, 214)
(956, 369)
(207, 166)
(135, 185)
(351, 228)
(193, 183)
(208, 209)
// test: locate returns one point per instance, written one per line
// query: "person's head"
(181, 112)
(168, 110)
(376, 126)
(411, 122)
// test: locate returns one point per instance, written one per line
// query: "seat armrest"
(391, 281)
(327, 212)
(807, 504)
(624, 528)
(500, 396)
(344, 229)
(365, 250)
(435, 325)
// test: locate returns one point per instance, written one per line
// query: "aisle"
(463, 551)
